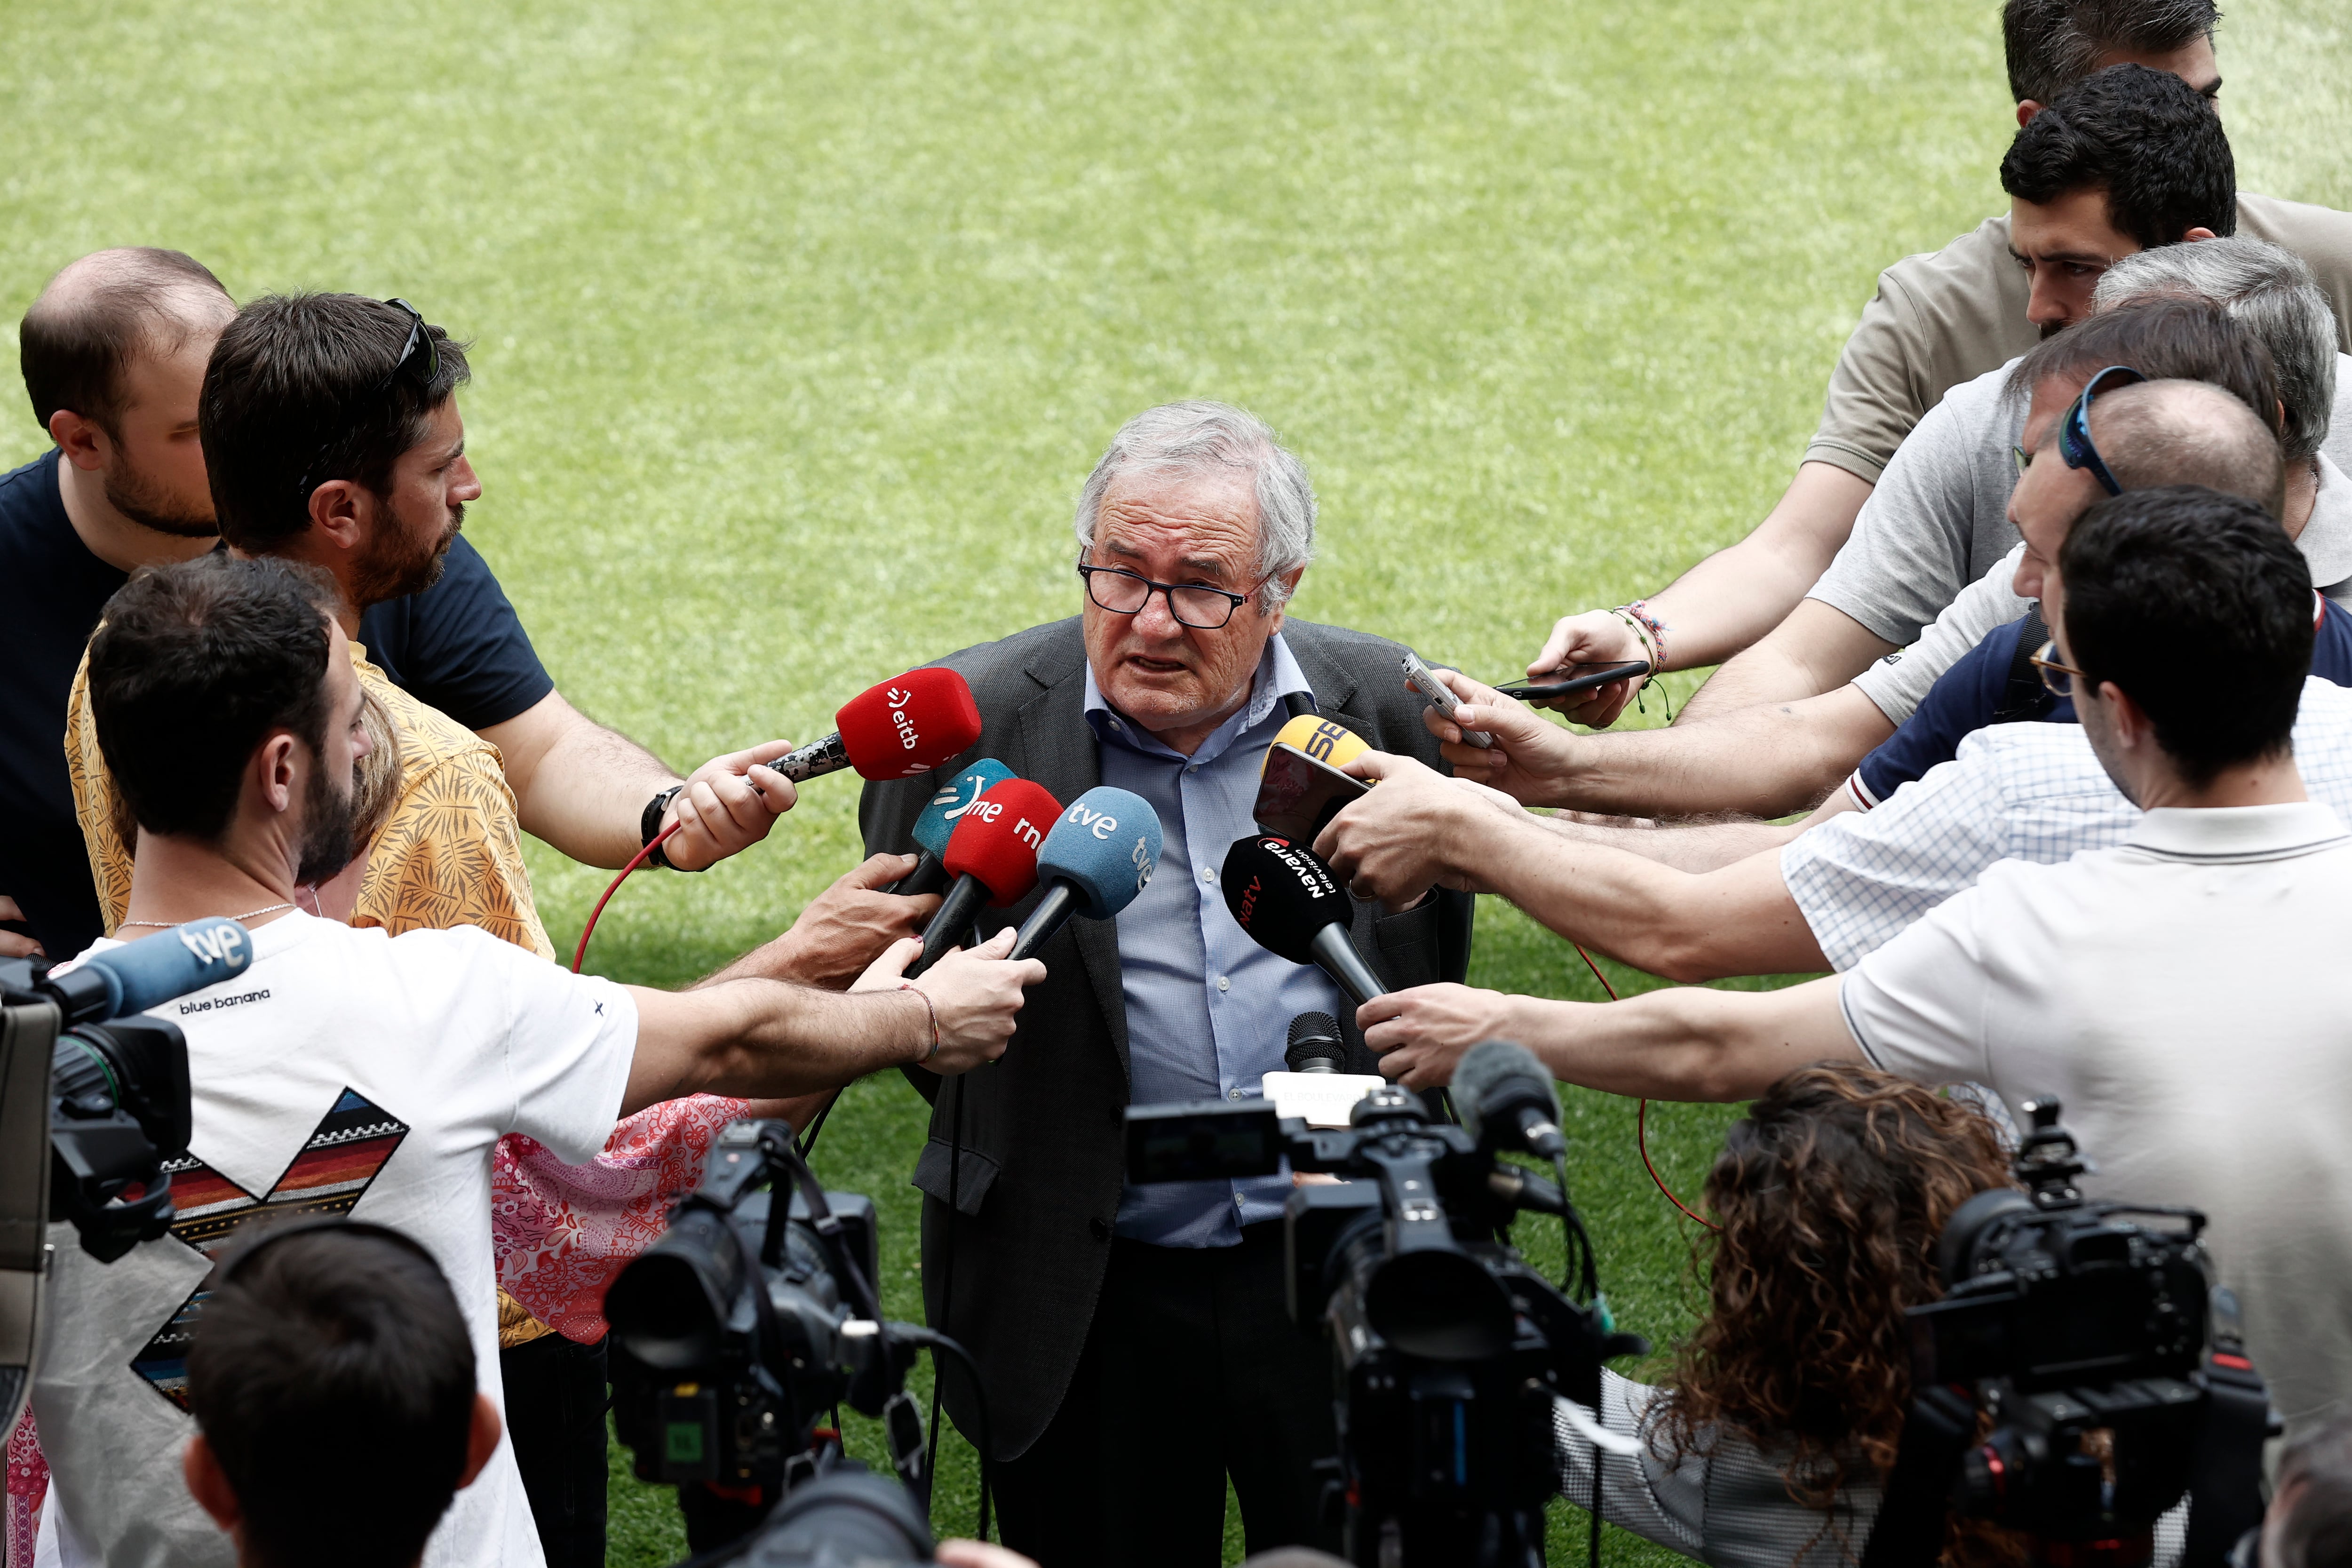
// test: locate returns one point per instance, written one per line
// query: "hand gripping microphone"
(906, 726)
(941, 814)
(1314, 1045)
(1096, 860)
(1293, 906)
(1507, 1100)
(992, 856)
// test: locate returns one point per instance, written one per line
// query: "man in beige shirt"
(1936, 319)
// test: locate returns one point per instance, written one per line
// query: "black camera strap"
(1910, 1529)
(2225, 1472)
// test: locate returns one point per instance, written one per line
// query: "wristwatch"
(650, 823)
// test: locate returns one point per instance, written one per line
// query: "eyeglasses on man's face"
(2059, 679)
(1195, 604)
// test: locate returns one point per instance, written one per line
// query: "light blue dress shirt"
(1208, 1010)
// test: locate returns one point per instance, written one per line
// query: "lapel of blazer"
(1056, 750)
(1335, 685)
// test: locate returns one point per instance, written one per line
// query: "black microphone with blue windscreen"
(937, 824)
(1102, 850)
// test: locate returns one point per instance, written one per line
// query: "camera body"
(1447, 1350)
(2092, 1339)
(738, 1330)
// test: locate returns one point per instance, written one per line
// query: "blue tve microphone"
(937, 824)
(1097, 858)
(152, 971)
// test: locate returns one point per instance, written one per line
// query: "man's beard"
(152, 506)
(395, 566)
(331, 820)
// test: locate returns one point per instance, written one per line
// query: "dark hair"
(2198, 605)
(305, 388)
(2318, 1532)
(1831, 1192)
(97, 315)
(2146, 138)
(195, 666)
(2053, 44)
(2165, 338)
(333, 1379)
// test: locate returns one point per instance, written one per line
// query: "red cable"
(1642, 1113)
(580, 953)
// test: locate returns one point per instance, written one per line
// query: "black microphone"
(1507, 1100)
(1314, 1045)
(1292, 905)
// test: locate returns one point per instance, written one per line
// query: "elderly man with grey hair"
(1133, 1343)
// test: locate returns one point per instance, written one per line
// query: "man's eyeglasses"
(419, 339)
(1125, 593)
(2058, 679)
(2075, 447)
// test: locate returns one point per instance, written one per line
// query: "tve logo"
(214, 944)
(1101, 823)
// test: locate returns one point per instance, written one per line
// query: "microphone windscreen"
(1320, 738)
(952, 799)
(997, 840)
(171, 964)
(1105, 846)
(1281, 895)
(908, 725)
(1313, 1034)
(1496, 1075)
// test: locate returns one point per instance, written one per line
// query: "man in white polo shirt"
(350, 1072)
(2184, 993)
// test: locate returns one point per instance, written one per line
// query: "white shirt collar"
(2327, 539)
(2236, 833)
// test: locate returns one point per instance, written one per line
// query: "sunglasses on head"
(2075, 447)
(419, 339)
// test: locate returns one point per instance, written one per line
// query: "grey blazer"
(1043, 1142)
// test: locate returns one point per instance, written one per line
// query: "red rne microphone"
(910, 724)
(992, 856)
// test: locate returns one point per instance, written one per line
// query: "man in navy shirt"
(114, 353)
(2132, 437)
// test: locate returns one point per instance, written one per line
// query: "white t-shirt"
(345, 1072)
(2186, 997)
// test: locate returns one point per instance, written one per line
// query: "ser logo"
(1323, 741)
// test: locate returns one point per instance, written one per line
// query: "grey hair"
(1198, 436)
(2267, 291)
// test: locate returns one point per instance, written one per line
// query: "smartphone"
(1593, 675)
(1440, 696)
(1299, 797)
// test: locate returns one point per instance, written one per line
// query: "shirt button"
(1233, 1093)
(1207, 874)
(1194, 769)
(1223, 983)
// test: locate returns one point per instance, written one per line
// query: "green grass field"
(797, 327)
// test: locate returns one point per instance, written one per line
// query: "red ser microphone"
(907, 725)
(992, 856)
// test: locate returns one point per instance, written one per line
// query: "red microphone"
(907, 725)
(992, 856)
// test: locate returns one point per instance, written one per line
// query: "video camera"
(1448, 1350)
(738, 1331)
(2108, 1366)
(93, 1102)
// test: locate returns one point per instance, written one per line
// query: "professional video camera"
(1448, 1350)
(93, 1100)
(738, 1331)
(2109, 1365)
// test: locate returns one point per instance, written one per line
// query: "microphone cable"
(580, 954)
(1641, 1113)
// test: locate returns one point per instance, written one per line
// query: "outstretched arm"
(1683, 1043)
(1761, 762)
(1726, 602)
(767, 1038)
(1415, 829)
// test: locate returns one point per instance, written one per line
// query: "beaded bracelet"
(1650, 631)
(932, 1010)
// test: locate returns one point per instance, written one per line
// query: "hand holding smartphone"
(1441, 697)
(1587, 677)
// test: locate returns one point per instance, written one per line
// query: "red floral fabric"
(562, 1232)
(28, 1483)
